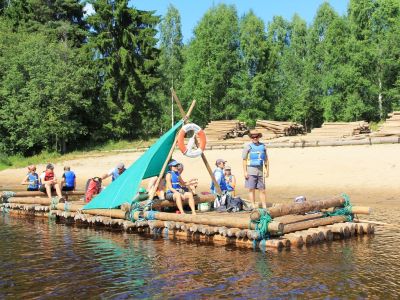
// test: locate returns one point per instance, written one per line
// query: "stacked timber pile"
(275, 228)
(391, 126)
(225, 129)
(340, 129)
(274, 129)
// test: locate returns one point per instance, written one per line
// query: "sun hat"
(255, 132)
(228, 168)
(173, 163)
(220, 160)
(120, 165)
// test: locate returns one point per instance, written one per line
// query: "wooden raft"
(290, 227)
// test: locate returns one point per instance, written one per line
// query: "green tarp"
(125, 187)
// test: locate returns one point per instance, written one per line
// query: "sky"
(192, 11)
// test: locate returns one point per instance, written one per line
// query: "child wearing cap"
(31, 179)
(115, 172)
(219, 176)
(175, 190)
(230, 180)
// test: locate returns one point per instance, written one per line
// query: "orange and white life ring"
(188, 149)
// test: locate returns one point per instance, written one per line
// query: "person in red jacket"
(49, 183)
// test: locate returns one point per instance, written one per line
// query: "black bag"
(229, 204)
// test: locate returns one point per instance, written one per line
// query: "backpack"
(228, 203)
(93, 187)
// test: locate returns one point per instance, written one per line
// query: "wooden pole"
(203, 157)
(153, 190)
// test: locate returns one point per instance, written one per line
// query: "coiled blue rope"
(346, 210)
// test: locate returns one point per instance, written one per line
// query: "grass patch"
(374, 126)
(18, 161)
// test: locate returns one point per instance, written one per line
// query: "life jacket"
(34, 181)
(174, 181)
(257, 155)
(229, 183)
(49, 175)
(115, 174)
(93, 188)
(69, 179)
(222, 182)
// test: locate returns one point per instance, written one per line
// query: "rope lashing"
(6, 195)
(151, 215)
(135, 207)
(346, 210)
(262, 224)
(53, 203)
(67, 206)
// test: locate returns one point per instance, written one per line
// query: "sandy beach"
(369, 174)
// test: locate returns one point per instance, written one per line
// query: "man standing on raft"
(255, 159)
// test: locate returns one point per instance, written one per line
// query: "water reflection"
(42, 259)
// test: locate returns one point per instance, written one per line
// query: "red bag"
(93, 187)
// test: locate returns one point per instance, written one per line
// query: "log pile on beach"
(340, 129)
(391, 127)
(290, 225)
(273, 129)
(225, 129)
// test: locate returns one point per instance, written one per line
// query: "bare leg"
(178, 200)
(252, 194)
(48, 190)
(189, 196)
(263, 198)
(58, 190)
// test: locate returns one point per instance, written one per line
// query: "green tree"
(211, 63)
(43, 94)
(123, 40)
(171, 60)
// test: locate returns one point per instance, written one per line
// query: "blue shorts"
(255, 182)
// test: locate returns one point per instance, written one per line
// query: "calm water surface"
(42, 259)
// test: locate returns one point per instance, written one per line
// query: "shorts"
(255, 182)
(67, 188)
(170, 196)
(43, 189)
(32, 189)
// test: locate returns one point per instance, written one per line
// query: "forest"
(69, 79)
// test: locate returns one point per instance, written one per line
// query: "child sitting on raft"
(31, 179)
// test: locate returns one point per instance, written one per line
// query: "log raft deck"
(283, 226)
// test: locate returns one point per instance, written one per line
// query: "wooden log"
(273, 243)
(34, 200)
(295, 240)
(298, 218)
(307, 238)
(40, 194)
(113, 213)
(313, 223)
(299, 208)
(273, 227)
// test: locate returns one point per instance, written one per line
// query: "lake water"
(42, 259)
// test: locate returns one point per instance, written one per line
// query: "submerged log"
(313, 223)
(299, 208)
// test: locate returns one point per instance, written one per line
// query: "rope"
(262, 224)
(67, 206)
(346, 210)
(6, 195)
(151, 215)
(53, 203)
